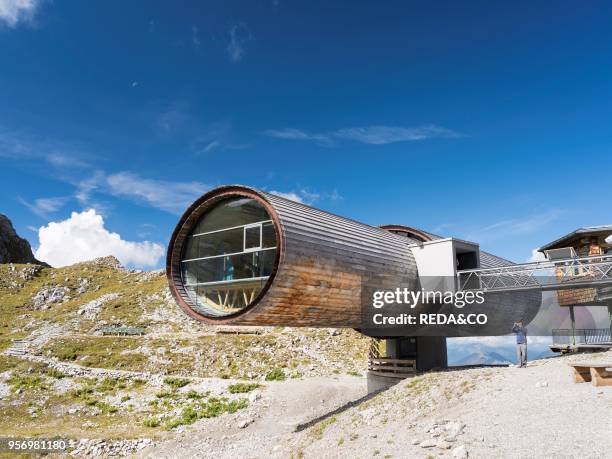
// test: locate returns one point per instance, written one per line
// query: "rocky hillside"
(61, 313)
(14, 249)
(57, 364)
(185, 389)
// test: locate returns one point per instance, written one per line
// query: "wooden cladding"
(326, 266)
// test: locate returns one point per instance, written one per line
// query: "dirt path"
(537, 412)
(283, 406)
(475, 413)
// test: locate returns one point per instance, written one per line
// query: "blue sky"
(468, 119)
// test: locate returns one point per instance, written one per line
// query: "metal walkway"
(569, 273)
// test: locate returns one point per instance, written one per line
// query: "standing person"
(521, 342)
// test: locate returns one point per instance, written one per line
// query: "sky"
(485, 121)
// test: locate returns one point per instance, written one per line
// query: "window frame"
(244, 238)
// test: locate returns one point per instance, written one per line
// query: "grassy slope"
(183, 348)
(199, 352)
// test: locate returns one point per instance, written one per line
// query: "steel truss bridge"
(571, 273)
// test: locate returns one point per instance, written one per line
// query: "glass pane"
(252, 237)
(268, 235)
(217, 243)
(232, 267)
(223, 277)
(230, 213)
(226, 299)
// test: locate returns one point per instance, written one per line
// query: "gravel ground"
(476, 413)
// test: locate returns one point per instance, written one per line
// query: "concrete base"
(428, 351)
(376, 383)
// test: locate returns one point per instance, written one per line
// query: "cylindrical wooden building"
(246, 257)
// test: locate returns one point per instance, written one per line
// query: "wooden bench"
(599, 373)
(123, 331)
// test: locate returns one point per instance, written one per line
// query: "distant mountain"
(545, 354)
(14, 249)
(484, 358)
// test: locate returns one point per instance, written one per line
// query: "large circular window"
(229, 256)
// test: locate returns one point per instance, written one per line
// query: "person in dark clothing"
(521, 343)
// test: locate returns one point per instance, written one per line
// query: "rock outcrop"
(14, 249)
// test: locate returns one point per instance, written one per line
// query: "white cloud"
(169, 196)
(239, 35)
(536, 256)
(211, 146)
(298, 134)
(45, 206)
(195, 37)
(291, 195)
(23, 146)
(380, 135)
(306, 196)
(372, 135)
(83, 237)
(14, 11)
(525, 225)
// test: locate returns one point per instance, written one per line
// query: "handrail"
(568, 273)
(539, 264)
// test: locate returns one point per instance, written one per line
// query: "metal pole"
(573, 319)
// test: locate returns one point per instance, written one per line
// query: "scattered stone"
(429, 443)
(443, 445)
(90, 310)
(245, 423)
(47, 296)
(460, 452)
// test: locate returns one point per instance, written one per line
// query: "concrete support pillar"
(431, 352)
(428, 351)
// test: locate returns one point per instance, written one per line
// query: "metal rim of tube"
(182, 230)
(415, 233)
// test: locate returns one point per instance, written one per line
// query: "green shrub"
(53, 373)
(25, 382)
(276, 375)
(151, 422)
(110, 385)
(137, 382)
(193, 395)
(176, 383)
(242, 388)
(83, 392)
(166, 394)
(211, 408)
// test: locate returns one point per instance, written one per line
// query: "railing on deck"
(394, 368)
(581, 336)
